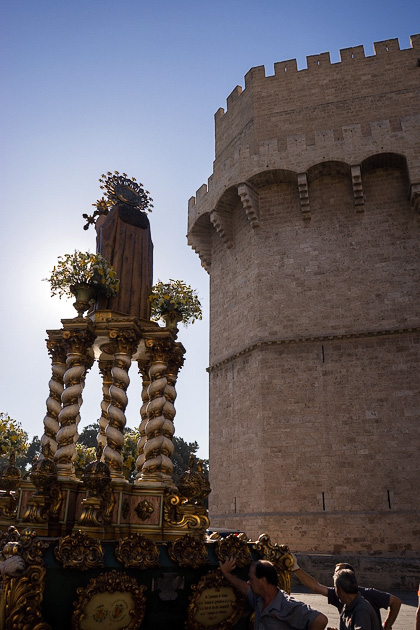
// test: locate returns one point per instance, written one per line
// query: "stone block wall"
(309, 228)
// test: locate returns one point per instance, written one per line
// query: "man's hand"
(295, 566)
(227, 566)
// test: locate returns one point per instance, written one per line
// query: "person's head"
(345, 584)
(262, 573)
(343, 565)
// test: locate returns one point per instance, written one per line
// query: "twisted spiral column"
(56, 387)
(144, 371)
(77, 344)
(105, 371)
(159, 447)
(125, 346)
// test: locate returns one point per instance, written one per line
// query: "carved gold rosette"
(113, 598)
(79, 551)
(188, 551)
(279, 555)
(236, 547)
(214, 605)
(137, 551)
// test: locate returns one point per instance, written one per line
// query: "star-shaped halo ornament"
(119, 189)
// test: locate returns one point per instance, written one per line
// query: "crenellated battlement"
(291, 100)
(383, 53)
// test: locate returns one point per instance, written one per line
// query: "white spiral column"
(77, 344)
(144, 371)
(56, 387)
(105, 370)
(125, 344)
(158, 449)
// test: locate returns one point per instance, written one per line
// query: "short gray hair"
(346, 580)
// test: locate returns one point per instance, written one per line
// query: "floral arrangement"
(177, 299)
(12, 436)
(83, 268)
(84, 455)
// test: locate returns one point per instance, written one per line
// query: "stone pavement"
(405, 619)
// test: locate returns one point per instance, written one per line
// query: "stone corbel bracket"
(303, 190)
(250, 203)
(223, 226)
(356, 181)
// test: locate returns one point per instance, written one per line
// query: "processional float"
(101, 552)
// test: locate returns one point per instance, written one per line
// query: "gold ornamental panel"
(79, 551)
(188, 551)
(137, 551)
(112, 601)
(236, 547)
(279, 555)
(214, 604)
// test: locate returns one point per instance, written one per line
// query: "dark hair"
(264, 568)
(346, 580)
(343, 565)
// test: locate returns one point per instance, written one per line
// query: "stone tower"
(309, 228)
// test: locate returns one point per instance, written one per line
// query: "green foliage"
(84, 455)
(177, 298)
(83, 268)
(88, 436)
(181, 455)
(12, 439)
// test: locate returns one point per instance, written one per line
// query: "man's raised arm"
(308, 580)
(226, 568)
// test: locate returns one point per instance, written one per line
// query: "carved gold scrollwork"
(123, 602)
(236, 547)
(10, 478)
(137, 551)
(188, 551)
(23, 597)
(182, 515)
(214, 605)
(79, 551)
(45, 504)
(279, 555)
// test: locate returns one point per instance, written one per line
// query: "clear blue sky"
(131, 85)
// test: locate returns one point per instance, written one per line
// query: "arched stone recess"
(267, 178)
(334, 168)
(221, 216)
(200, 239)
(397, 161)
